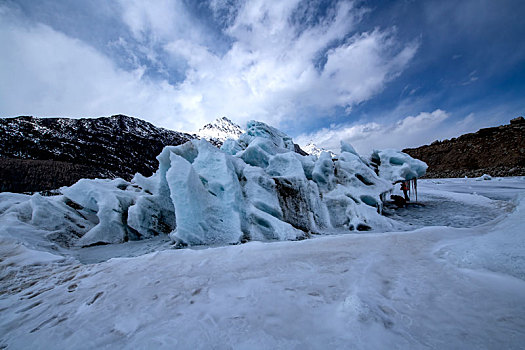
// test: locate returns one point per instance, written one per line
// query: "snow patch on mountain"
(313, 149)
(220, 130)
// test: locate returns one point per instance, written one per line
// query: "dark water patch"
(443, 211)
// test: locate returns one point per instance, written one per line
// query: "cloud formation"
(257, 60)
(47, 73)
(276, 69)
(411, 131)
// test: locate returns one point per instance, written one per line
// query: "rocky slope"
(45, 153)
(497, 151)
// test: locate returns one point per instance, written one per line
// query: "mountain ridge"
(497, 151)
(105, 147)
(38, 154)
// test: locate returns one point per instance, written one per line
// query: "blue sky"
(377, 74)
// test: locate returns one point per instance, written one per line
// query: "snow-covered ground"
(457, 281)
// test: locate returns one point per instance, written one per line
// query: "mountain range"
(496, 151)
(39, 154)
(46, 153)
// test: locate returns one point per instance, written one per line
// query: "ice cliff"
(253, 188)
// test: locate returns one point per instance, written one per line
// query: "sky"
(376, 74)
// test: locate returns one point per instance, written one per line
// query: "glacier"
(452, 277)
(255, 188)
(446, 283)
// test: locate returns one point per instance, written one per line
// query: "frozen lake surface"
(456, 281)
(457, 203)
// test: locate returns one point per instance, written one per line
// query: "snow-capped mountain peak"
(220, 129)
(313, 149)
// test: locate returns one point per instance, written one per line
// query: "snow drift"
(253, 188)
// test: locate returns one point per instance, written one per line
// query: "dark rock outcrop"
(497, 151)
(299, 150)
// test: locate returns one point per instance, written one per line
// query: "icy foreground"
(254, 188)
(436, 287)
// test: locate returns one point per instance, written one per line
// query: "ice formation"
(253, 188)
(484, 177)
(395, 166)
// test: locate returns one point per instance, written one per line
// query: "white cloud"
(411, 131)
(270, 71)
(407, 132)
(46, 73)
(159, 20)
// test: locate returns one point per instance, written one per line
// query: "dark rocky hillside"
(497, 151)
(23, 175)
(45, 153)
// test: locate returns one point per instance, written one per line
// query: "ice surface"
(286, 164)
(323, 172)
(110, 200)
(346, 147)
(484, 177)
(500, 250)
(14, 253)
(280, 140)
(264, 216)
(9, 200)
(435, 287)
(443, 208)
(151, 215)
(356, 201)
(42, 222)
(258, 188)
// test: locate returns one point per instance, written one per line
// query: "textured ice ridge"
(253, 188)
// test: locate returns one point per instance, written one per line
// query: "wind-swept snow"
(435, 287)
